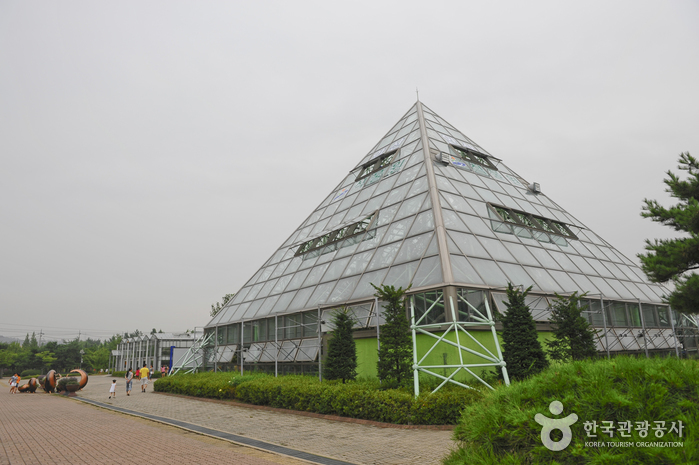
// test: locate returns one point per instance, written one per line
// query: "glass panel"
(344, 289)
(267, 307)
(397, 194)
(423, 222)
(418, 186)
(565, 281)
(476, 299)
(310, 324)
(431, 305)
(452, 221)
(521, 254)
(543, 279)
(299, 301)
(233, 334)
(364, 288)
(582, 264)
(397, 230)
(429, 272)
(254, 291)
(283, 301)
(476, 225)
(411, 206)
(463, 271)
(649, 316)
(544, 258)
(384, 256)
(596, 317)
(413, 248)
(604, 288)
(496, 249)
(335, 270)
(468, 244)
(298, 278)
(320, 296)
(634, 315)
(517, 275)
(620, 289)
(457, 203)
(315, 275)
(445, 186)
(254, 307)
(267, 288)
(564, 261)
(401, 275)
(618, 314)
(358, 263)
(663, 316)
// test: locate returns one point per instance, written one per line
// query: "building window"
(354, 229)
(376, 164)
(472, 156)
(527, 220)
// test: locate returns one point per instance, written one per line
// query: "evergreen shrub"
(500, 428)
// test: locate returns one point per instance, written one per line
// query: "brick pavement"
(50, 429)
(355, 443)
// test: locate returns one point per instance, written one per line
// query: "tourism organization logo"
(561, 424)
(623, 430)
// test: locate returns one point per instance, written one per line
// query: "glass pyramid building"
(430, 208)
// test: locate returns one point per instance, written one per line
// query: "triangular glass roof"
(451, 215)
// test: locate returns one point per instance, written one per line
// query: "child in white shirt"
(112, 389)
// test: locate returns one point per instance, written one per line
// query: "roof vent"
(444, 158)
(535, 187)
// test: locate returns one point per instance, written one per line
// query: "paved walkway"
(349, 442)
(51, 429)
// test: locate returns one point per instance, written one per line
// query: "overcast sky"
(155, 154)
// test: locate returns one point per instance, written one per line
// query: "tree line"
(61, 356)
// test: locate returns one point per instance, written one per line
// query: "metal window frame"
(553, 225)
(378, 163)
(314, 244)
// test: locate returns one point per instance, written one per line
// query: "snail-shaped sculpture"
(31, 386)
(49, 384)
(83, 377)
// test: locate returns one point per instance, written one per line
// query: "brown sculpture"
(30, 386)
(83, 377)
(49, 384)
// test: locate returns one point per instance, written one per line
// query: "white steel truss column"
(194, 356)
(458, 329)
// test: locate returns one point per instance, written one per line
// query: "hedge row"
(356, 400)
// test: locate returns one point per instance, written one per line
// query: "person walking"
(129, 381)
(112, 389)
(163, 371)
(144, 378)
(13, 383)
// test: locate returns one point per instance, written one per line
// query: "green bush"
(500, 428)
(30, 374)
(358, 399)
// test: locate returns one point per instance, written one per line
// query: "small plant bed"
(500, 428)
(364, 400)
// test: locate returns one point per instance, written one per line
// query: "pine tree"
(342, 350)
(573, 339)
(396, 353)
(673, 259)
(521, 348)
